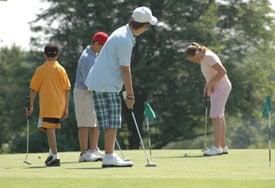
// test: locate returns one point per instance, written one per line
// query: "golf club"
(27, 107)
(205, 122)
(124, 158)
(149, 163)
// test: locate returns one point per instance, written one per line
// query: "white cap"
(143, 15)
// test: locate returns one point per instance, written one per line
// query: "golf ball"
(39, 156)
(126, 159)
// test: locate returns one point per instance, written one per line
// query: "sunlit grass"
(241, 168)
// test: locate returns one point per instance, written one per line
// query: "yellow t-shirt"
(52, 82)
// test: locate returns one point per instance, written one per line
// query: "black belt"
(51, 120)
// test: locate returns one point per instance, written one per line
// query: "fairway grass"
(240, 168)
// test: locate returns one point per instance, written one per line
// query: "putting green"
(240, 168)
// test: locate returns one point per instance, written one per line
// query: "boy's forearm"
(32, 97)
(127, 80)
(67, 96)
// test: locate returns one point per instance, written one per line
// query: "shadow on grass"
(33, 167)
(80, 168)
(69, 162)
(182, 156)
(86, 168)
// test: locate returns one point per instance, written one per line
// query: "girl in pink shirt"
(218, 88)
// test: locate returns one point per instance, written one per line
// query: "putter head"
(204, 150)
(151, 164)
(27, 162)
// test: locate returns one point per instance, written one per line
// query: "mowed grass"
(241, 168)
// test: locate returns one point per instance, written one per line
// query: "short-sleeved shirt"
(106, 75)
(51, 81)
(85, 62)
(210, 58)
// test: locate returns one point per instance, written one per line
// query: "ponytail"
(193, 48)
(196, 45)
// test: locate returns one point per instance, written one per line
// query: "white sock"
(94, 150)
(109, 155)
(50, 152)
(55, 156)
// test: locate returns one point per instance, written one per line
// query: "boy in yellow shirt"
(51, 82)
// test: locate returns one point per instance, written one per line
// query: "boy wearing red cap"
(88, 131)
(50, 80)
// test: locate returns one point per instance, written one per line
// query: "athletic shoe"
(99, 154)
(213, 150)
(113, 160)
(53, 162)
(49, 158)
(88, 157)
(225, 150)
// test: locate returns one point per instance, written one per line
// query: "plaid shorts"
(108, 109)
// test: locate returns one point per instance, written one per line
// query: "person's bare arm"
(66, 110)
(32, 99)
(127, 80)
(220, 74)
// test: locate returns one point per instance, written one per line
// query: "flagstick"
(269, 137)
(149, 139)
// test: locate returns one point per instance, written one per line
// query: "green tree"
(16, 68)
(239, 31)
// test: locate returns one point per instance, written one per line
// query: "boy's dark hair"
(138, 25)
(51, 50)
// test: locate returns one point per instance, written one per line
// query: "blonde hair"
(193, 48)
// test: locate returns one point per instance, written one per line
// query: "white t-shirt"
(210, 58)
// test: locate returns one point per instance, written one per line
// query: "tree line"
(240, 32)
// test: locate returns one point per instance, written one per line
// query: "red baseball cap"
(100, 37)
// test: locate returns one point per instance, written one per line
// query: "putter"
(124, 158)
(149, 163)
(205, 123)
(27, 107)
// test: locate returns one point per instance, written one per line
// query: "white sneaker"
(99, 154)
(225, 150)
(113, 160)
(88, 157)
(213, 150)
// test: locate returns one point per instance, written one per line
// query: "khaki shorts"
(84, 108)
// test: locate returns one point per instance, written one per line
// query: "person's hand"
(29, 112)
(205, 90)
(65, 114)
(130, 101)
(210, 89)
